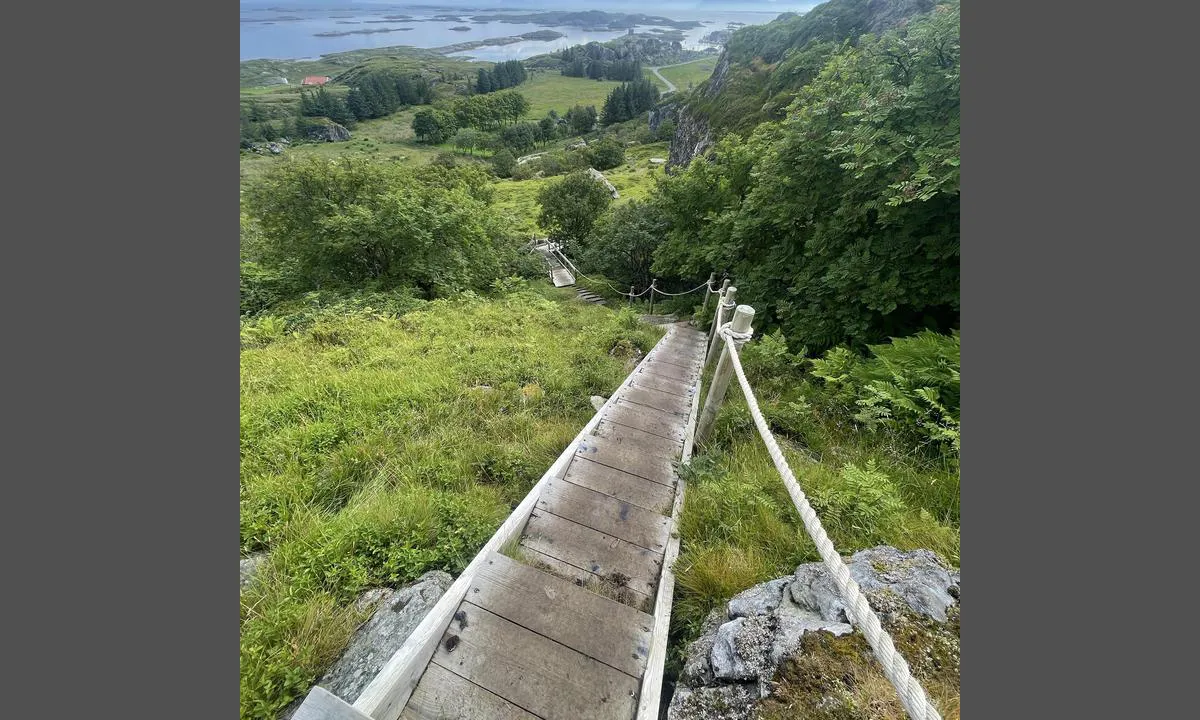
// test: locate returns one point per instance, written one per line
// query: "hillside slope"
(763, 67)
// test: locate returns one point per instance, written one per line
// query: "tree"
(582, 119)
(606, 154)
(622, 243)
(571, 206)
(467, 139)
(351, 221)
(519, 138)
(433, 126)
(503, 163)
(841, 222)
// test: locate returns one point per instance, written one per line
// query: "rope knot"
(739, 338)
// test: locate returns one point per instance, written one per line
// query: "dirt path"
(670, 85)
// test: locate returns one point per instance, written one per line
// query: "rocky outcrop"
(397, 613)
(693, 136)
(325, 130)
(599, 177)
(748, 649)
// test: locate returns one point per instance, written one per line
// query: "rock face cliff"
(692, 133)
(787, 643)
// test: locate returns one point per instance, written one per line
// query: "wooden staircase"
(560, 624)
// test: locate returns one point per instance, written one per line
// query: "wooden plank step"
(535, 673)
(665, 384)
(587, 580)
(646, 419)
(442, 694)
(676, 404)
(621, 485)
(603, 629)
(592, 552)
(606, 514)
(687, 359)
(636, 441)
(667, 370)
(608, 452)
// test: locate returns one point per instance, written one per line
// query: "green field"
(690, 74)
(551, 91)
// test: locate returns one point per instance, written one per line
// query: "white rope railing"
(912, 695)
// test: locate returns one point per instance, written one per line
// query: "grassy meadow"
(376, 447)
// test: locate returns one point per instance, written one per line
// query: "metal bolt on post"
(742, 318)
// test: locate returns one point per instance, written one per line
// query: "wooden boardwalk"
(559, 274)
(560, 625)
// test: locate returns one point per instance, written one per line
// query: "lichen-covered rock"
(719, 702)
(397, 614)
(745, 645)
(917, 576)
(758, 600)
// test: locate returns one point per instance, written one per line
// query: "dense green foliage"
(503, 75)
(434, 126)
(490, 111)
(381, 92)
(322, 103)
(571, 206)
(621, 245)
(629, 100)
(606, 154)
(351, 222)
(582, 118)
(839, 223)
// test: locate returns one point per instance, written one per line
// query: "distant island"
(590, 20)
(507, 40)
(359, 32)
(460, 28)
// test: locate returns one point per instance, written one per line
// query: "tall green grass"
(378, 447)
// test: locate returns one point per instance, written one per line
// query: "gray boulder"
(734, 662)
(326, 130)
(250, 567)
(397, 614)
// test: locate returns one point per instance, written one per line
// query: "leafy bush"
(606, 154)
(350, 222)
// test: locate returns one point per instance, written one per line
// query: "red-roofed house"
(315, 80)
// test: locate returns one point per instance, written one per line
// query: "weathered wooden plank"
(656, 399)
(603, 629)
(320, 704)
(543, 677)
(606, 452)
(665, 384)
(588, 580)
(607, 514)
(621, 485)
(647, 419)
(634, 440)
(442, 694)
(592, 551)
(685, 358)
(667, 370)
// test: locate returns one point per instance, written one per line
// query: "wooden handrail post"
(653, 287)
(724, 311)
(708, 291)
(742, 318)
(717, 311)
(631, 295)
